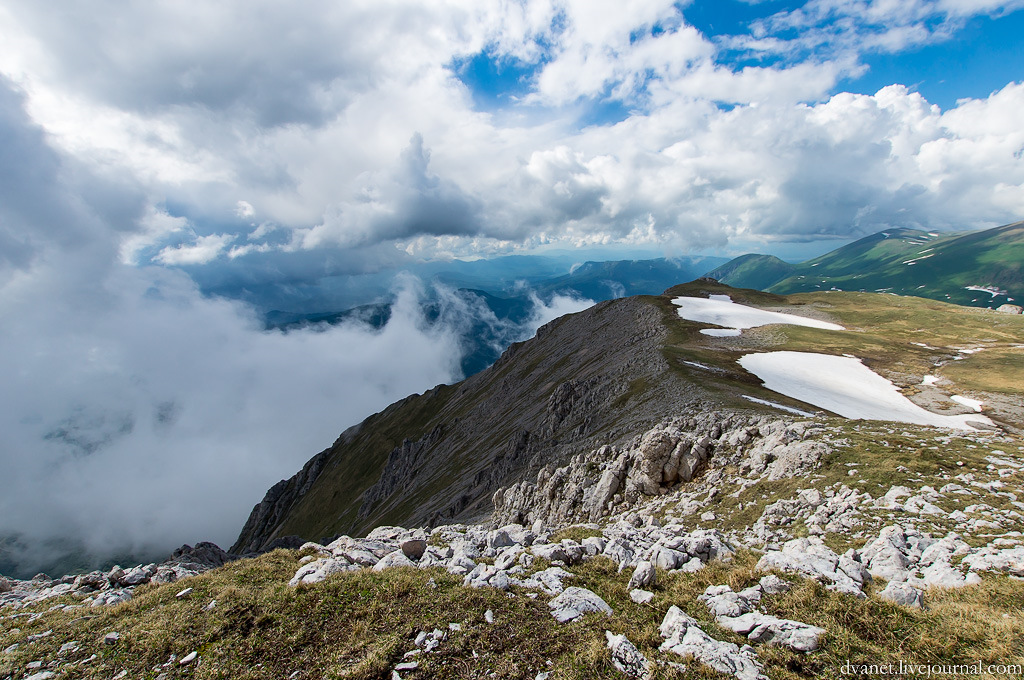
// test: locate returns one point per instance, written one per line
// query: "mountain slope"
(441, 455)
(753, 271)
(600, 377)
(979, 268)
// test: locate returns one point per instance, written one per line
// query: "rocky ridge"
(643, 506)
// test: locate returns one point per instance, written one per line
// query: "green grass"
(359, 625)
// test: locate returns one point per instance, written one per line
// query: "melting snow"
(845, 386)
(721, 332)
(720, 310)
(991, 290)
(930, 380)
(968, 402)
(790, 409)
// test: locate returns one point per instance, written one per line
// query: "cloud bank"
(137, 414)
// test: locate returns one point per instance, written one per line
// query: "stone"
(1010, 309)
(684, 637)
(641, 596)
(772, 584)
(902, 594)
(183, 593)
(573, 602)
(627, 658)
(810, 557)
(643, 576)
(188, 658)
(111, 638)
(318, 570)
(112, 597)
(413, 548)
(489, 616)
(767, 629)
(393, 559)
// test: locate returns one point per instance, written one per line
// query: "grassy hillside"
(753, 271)
(359, 625)
(905, 262)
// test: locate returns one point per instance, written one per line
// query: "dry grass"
(357, 626)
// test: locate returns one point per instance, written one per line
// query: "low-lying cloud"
(136, 413)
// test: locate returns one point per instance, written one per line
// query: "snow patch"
(788, 409)
(930, 380)
(720, 310)
(991, 290)
(968, 402)
(845, 386)
(721, 332)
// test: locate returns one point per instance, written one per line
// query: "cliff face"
(590, 379)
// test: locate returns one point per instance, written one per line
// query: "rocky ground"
(796, 502)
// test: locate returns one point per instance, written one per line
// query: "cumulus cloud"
(335, 140)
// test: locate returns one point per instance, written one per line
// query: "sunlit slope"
(970, 351)
(950, 267)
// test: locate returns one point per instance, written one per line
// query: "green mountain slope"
(753, 271)
(980, 268)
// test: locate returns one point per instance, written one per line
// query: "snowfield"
(845, 386)
(720, 310)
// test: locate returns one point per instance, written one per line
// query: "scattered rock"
(643, 576)
(574, 602)
(627, 658)
(684, 637)
(641, 596)
(902, 593)
(810, 557)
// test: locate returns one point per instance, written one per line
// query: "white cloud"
(244, 209)
(205, 249)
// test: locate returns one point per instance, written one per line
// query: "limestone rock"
(318, 570)
(643, 576)
(684, 637)
(641, 596)
(902, 593)
(574, 602)
(627, 658)
(810, 557)
(396, 558)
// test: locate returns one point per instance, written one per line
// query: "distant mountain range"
(977, 269)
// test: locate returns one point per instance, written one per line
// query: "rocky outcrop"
(738, 612)
(608, 479)
(260, 527)
(684, 637)
(811, 558)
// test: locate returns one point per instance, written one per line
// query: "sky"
(148, 148)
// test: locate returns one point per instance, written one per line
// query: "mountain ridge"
(975, 268)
